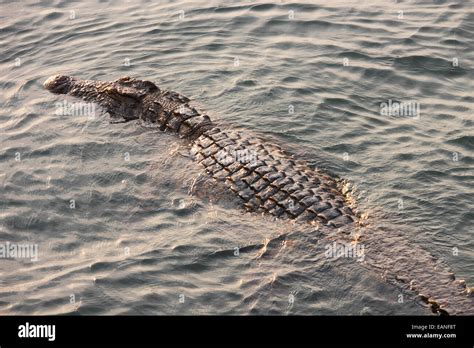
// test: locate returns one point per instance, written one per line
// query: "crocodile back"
(269, 180)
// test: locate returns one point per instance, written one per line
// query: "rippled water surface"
(108, 204)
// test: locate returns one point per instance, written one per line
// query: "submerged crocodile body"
(264, 177)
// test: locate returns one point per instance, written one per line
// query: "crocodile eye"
(150, 86)
(128, 81)
(120, 92)
(123, 79)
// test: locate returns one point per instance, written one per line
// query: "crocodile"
(265, 178)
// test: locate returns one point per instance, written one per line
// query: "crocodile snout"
(59, 84)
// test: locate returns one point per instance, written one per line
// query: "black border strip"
(292, 330)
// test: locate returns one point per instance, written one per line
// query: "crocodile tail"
(416, 271)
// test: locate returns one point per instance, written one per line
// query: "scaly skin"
(264, 177)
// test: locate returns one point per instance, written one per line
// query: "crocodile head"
(122, 98)
(59, 84)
